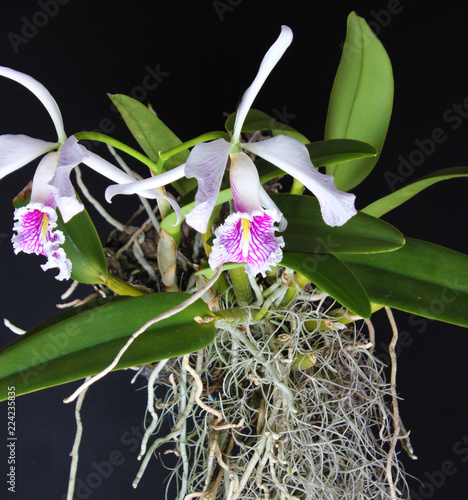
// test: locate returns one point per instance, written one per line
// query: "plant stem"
(120, 287)
(95, 136)
(297, 187)
(301, 282)
(241, 284)
(209, 136)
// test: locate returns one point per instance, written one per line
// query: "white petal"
(41, 191)
(16, 151)
(207, 163)
(71, 154)
(270, 60)
(292, 156)
(146, 186)
(245, 183)
(115, 174)
(106, 168)
(42, 94)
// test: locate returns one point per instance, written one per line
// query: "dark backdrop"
(205, 54)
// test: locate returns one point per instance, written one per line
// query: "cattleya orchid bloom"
(247, 236)
(51, 186)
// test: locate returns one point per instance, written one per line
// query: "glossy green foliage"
(361, 100)
(420, 278)
(152, 135)
(85, 340)
(83, 247)
(307, 232)
(333, 151)
(310, 245)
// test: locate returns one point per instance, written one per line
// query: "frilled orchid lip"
(35, 227)
(248, 238)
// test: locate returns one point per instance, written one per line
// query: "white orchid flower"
(51, 186)
(247, 236)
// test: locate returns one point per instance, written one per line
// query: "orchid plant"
(265, 340)
(247, 236)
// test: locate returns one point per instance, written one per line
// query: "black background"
(208, 53)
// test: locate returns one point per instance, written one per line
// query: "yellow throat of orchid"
(45, 224)
(245, 235)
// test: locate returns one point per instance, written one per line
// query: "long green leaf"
(79, 343)
(152, 135)
(333, 151)
(331, 275)
(361, 100)
(420, 278)
(84, 249)
(307, 232)
(397, 198)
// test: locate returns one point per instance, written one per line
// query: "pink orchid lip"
(51, 186)
(35, 233)
(248, 238)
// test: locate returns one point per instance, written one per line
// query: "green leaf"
(83, 247)
(152, 135)
(79, 343)
(332, 151)
(397, 198)
(420, 278)
(82, 244)
(307, 232)
(331, 275)
(258, 120)
(361, 100)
